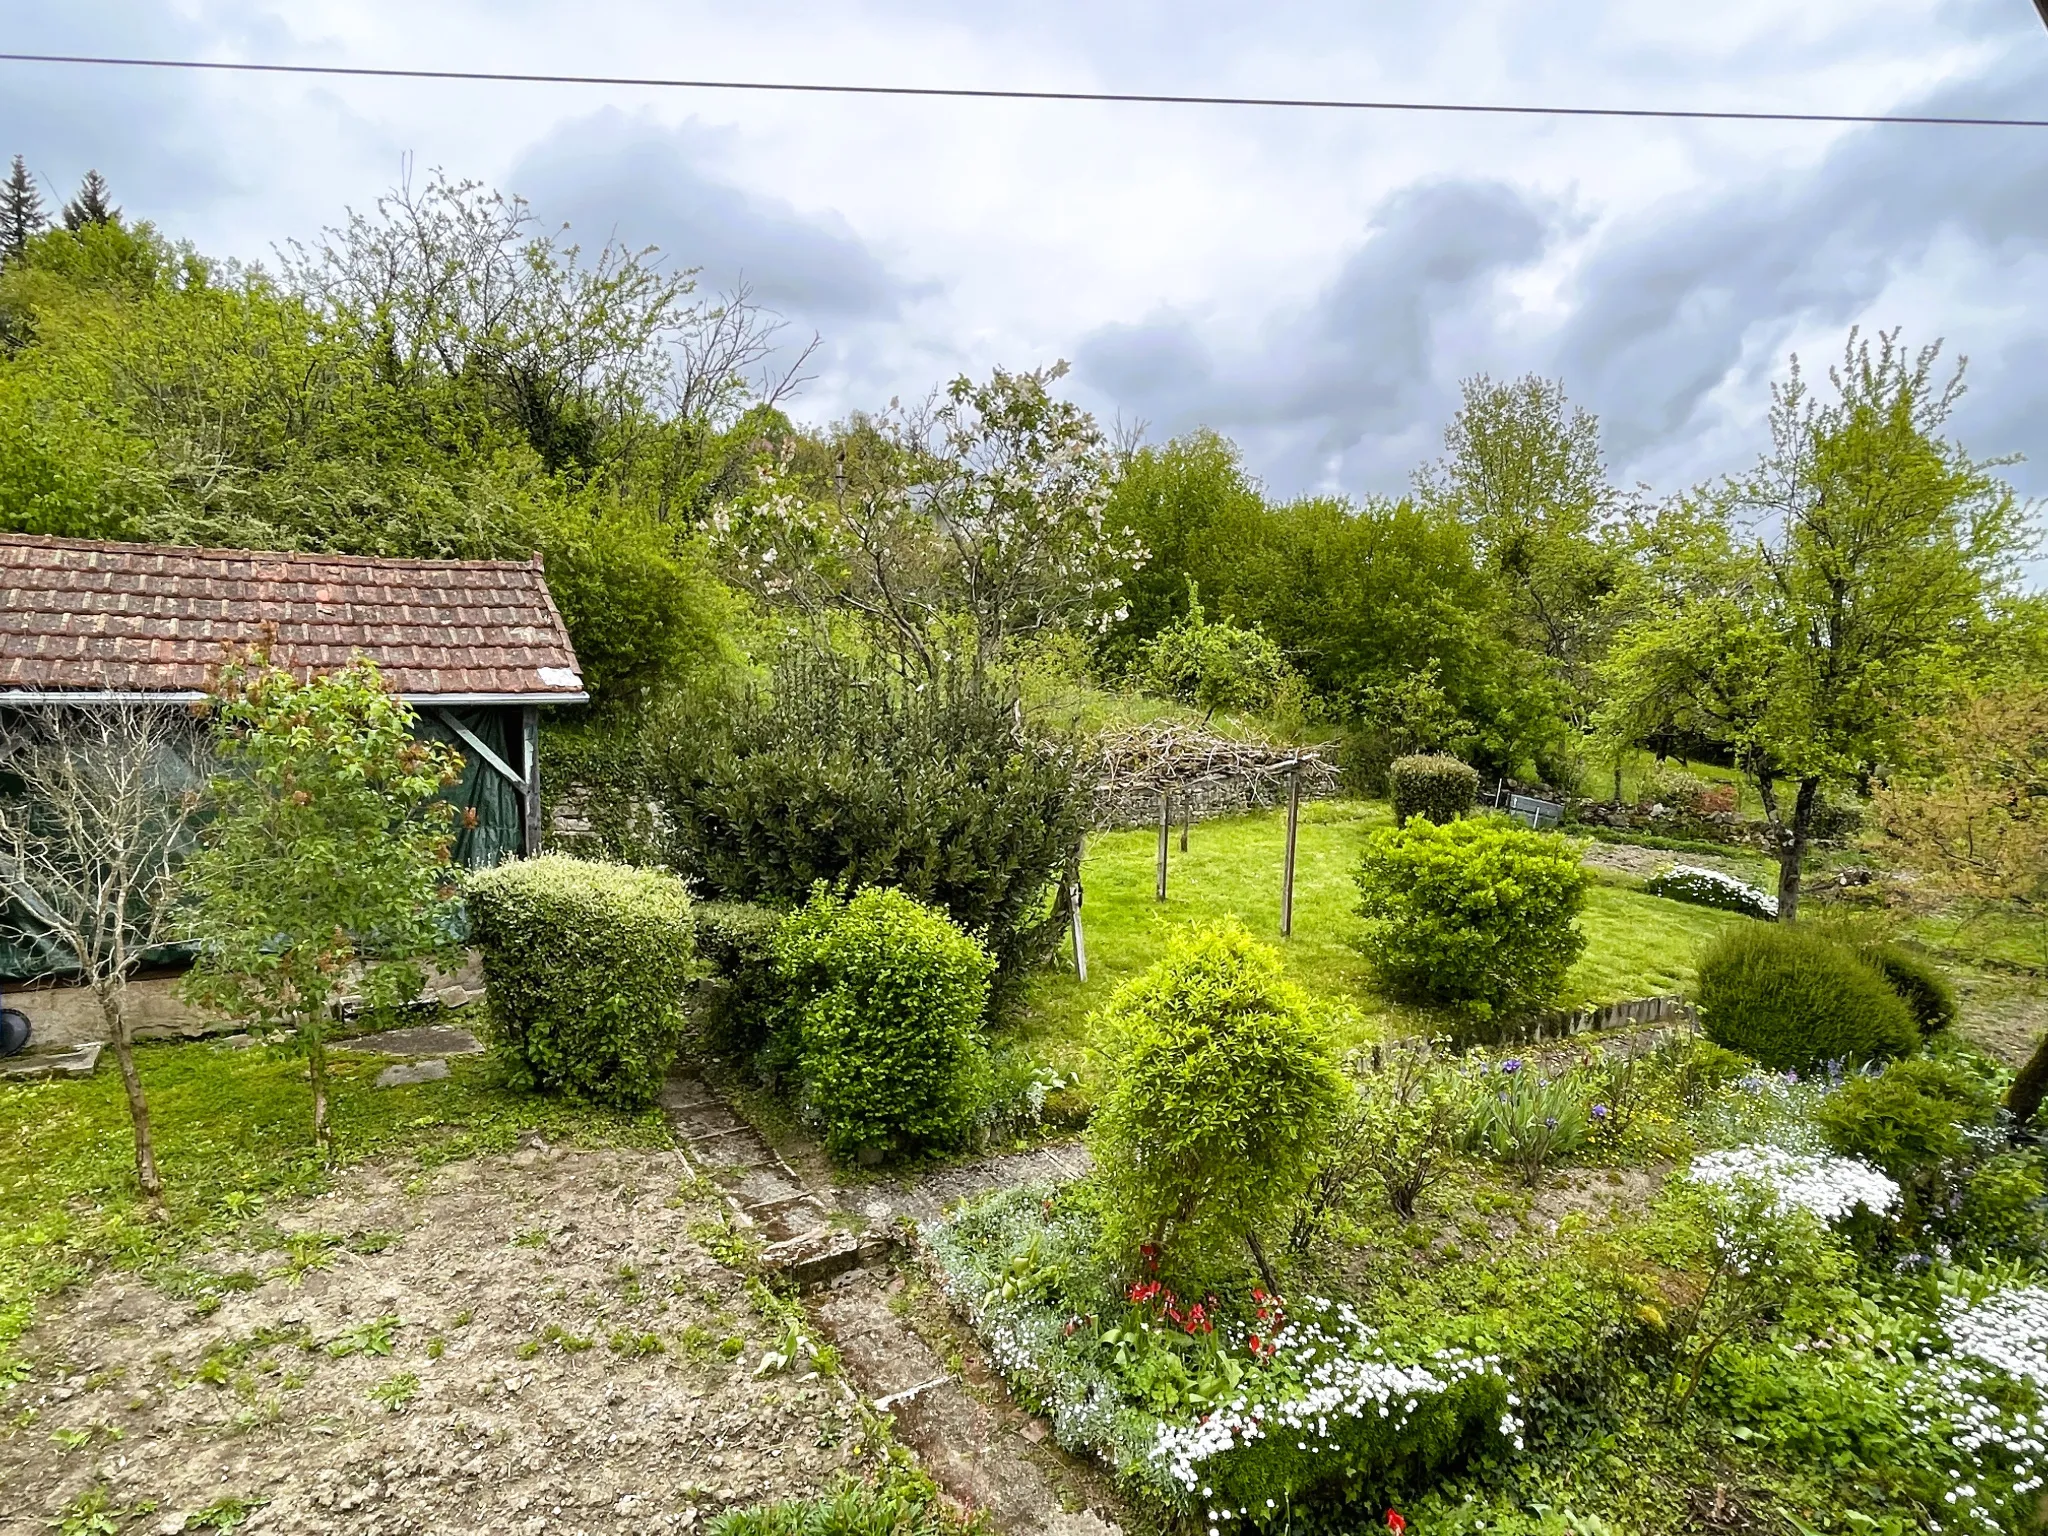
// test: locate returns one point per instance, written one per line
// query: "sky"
(1315, 285)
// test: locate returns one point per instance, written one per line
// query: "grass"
(1637, 945)
(233, 1134)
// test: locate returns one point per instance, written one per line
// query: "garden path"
(889, 1329)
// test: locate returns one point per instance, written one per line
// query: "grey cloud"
(1328, 388)
(1674, 300)
(653, 185)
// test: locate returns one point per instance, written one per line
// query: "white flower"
(1830, 1187)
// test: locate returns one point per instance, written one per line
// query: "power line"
(508, 77)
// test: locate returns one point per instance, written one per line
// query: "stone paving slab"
(72, 1061)
(421, 1040)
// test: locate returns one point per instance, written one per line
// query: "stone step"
(66, 1061)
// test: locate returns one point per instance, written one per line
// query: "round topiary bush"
(1919, 984)
(1430, 785)
(1793, 997)
(1478, 914)
(1224, 1084)
(888, 996)
(585, 967)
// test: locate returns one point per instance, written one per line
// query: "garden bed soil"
(518, 1425)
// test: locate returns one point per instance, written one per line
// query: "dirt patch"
(535, 1343)
(1641, 863)
(2003, 1011)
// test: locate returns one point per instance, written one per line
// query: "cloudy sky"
(1314, 284)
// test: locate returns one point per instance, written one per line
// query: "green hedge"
(586, 966)
(1793, 997)
(1439, 788)
(1919, 984)
(1474, 913)
(888, 996)
(740, 998)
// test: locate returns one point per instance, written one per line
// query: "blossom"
(1512, 1064)
(1829, 1187)
(1600, 1111)
(1395, 1523)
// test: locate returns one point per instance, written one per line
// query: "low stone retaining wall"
(1137, 806)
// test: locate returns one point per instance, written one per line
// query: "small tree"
(1225, 1087)
(328, 865)
(1805, 613)
(96, 811)
(92, 206)
(1214, 666)
(21, 212)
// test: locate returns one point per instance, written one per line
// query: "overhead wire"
(983, 93)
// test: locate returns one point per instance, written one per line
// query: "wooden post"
(1074, 914)
(1187, 816)
(529, 798)
(1165, 820)
(1287, 868)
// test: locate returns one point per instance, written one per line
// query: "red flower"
(1395, 1523)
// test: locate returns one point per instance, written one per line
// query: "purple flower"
(1550, 1122)
(1600, 1111)
(1512, 1064)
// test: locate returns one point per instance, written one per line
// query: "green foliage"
(1213, 666)
(327, 862)
(1441, 789)
(1528, 1119)
(740, 1000)
(1478, 913)
(596, 772)
(1396, 1130)
(1910, 1122)
(901, 1502)
(2001, 1210)
(887, 997)
(1920, 985)
(850, 778)
(586, 965)
(1793, 997)
(1223, 1087)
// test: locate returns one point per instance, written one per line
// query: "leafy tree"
(92, 205)
(1970, 810)
(1805, 613)
(1522, 469)
(1214, 666)
(1193, 512)
(97, 809)
(1224, 1085)
(21, 213)
(966, 524)
(327, 868)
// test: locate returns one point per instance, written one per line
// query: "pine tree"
(91, 206)
(21, 213)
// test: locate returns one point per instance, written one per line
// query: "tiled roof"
(79, 616)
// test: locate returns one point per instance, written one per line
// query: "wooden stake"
(1074, 916)
(1187, 816)
(1287, 869)
(1165, 826)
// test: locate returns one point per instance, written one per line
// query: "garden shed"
(475, 646)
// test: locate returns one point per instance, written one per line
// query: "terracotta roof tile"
(82, 616)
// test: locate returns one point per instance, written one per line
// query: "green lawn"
(1637, 945)
(233, 1134)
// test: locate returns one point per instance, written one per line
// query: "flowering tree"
(970, 521)
(328, 866)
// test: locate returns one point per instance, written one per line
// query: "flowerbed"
(1237, 1412)
(1711, 888)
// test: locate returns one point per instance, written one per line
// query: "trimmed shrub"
(586, 966)
(1224, 1083)
(1674, 789)
(1793, 997)
(887, 997)
(850, 779)
(1477, 913)
(1437, 787)
(1711, 888)
(1919, 984)
(739, 998)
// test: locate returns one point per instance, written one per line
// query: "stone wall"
(1138, 806)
